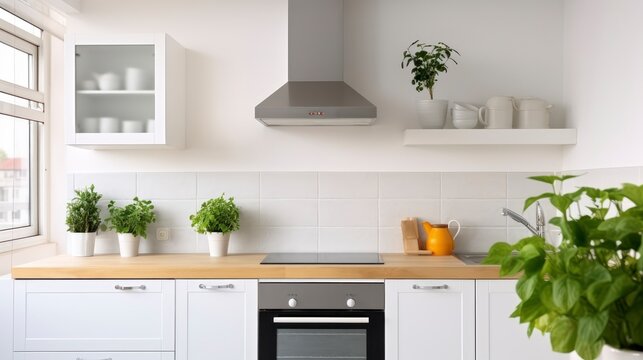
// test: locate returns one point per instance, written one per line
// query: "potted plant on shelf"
(130, 223)
(83, 220)
(217, 218)
(587, 293)
(428, 61)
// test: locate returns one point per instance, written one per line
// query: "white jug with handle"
(108, 81)
(533, 113)
(497, 113)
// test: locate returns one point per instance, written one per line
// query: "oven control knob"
(292, 302)
(350, 302)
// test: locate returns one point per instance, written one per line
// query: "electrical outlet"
(162, 234)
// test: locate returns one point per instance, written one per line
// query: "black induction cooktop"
(323, 258)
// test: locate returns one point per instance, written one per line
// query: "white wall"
(604, 82)
(237, 56)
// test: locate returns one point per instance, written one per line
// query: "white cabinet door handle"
(434, 287)
(216, 287)
(121, 287)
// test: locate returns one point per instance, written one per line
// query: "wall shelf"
(418, 137)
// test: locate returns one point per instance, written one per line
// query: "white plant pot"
(432, 114)
(81, 244)
(218, 244)
(128, 244)
(609, 353)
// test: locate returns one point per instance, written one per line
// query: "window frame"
(33, 234)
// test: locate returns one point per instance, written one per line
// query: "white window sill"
(25, 254)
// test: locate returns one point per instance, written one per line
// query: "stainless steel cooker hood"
(316, 93)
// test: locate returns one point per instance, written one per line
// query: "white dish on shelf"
(109, 125)
(89, 125)
(132, 126)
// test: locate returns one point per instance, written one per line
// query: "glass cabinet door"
(115, 89)
(323, 343)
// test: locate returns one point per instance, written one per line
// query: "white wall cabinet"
(216, 319)
(124, 91)
(430, 319)
(499, 337)
(94, 315)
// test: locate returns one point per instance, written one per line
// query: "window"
(21, 118)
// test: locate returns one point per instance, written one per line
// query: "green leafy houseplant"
(83, 214)
(428, 62)
(132, 218)
(588, 291)
(216, 216)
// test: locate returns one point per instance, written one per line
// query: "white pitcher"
(497, 113)
(533, 113)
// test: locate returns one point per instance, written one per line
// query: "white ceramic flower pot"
(81, 244)
(432, 114)
(609, 353)
(218, 244)
(128, 244)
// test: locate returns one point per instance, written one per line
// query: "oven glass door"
(328, 335)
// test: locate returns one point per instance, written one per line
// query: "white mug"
(134, 79)
(496, 118)
(150, 126)
(132, 126)
(109, 125)
(89, 125)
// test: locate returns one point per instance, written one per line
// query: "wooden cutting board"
(411, 238)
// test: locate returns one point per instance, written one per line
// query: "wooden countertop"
(201, 266)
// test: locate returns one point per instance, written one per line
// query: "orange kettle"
(439, 239)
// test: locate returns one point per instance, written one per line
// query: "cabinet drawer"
(93, 356)
(94, 315)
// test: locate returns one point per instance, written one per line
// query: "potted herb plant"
(587, 293)
(217, 218)
(83, 220)
(130, 223)
(427, 62)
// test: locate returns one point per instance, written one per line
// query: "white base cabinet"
(216, 319)
(499, 337)
(94, 356)
(430, 319)
(93, 315)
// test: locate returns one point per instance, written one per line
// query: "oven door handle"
(320, 320)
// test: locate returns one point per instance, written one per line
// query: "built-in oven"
(329, 321)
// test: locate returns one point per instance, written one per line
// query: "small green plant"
(216, 216)
(83, 214)
(132, 218)
(588, 291)
(428, 62)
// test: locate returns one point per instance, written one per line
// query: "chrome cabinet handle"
(216, 287)
(434, 287)
(120, 287)
(320, 320)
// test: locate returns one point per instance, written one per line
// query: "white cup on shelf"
(109, 125)
(132, 126)
(89, 125)
(134, 79)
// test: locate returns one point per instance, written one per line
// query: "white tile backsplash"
(341, 185)
(240, 185)
(474, 213)
(348, 240)
(348, 213)
(166, 186)
(407, 185)
(113, 186)
(472, 185)
(332, 211)
(393, 211)
(288, 185)
(288, 213)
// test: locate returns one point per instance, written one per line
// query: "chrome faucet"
(539, 229)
